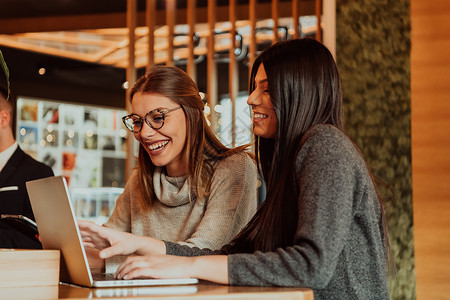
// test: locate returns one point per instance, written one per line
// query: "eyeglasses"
(154, 119)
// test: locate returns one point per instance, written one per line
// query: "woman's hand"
(212, 268)
(95, 236)
(112, 242)
(95, 262)
(155, 266)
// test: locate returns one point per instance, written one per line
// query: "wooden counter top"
(202, 291)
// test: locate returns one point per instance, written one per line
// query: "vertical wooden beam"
(318, 12)
(295, 19)
(150, 21)
(430, 141)
(252, 44)
(329, 21)
(212, 90)
(170, 22)
(252, 48)
(275, 21)
(190, 17)
(131, 78)
(233, 75)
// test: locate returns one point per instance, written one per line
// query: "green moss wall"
(373, 55)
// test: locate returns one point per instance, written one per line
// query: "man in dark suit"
(16, 167)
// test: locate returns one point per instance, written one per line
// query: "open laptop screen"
(58, 230)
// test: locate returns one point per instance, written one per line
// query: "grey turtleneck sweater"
(338, 250)
(178, 216)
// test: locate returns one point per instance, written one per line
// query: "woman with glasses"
(321, 225)
(188, 188)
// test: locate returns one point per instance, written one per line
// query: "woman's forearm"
(147, 245)
(212, 268)
(127, 243)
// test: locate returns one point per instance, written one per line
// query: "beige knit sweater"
(178, 216)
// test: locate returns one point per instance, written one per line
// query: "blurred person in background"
(16, 167)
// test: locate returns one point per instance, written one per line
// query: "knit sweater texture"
(338, 249)
(178, 216)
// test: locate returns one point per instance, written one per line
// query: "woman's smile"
(157, 146)
(257, 117)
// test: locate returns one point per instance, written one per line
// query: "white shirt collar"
(6, 155)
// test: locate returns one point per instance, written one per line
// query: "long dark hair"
(202, 148)
(305, 90)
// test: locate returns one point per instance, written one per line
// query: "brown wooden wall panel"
(118, 20)
(430, 113)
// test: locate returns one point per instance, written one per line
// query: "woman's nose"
(147, 131)
(252, 99)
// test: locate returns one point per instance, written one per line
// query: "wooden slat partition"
(172, 17)
(211, 73)
(233, 75)
(319, 17)
(131, 78)
(190, 17)
(170, 22)
(150, 22)
(329, 25)
(275, 20)
(430, 119)
(295, 20)
(252, 45)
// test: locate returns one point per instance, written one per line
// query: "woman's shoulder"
(237, 165)
(236, 159)
(324, 131)
(328, 141)
(325, 135)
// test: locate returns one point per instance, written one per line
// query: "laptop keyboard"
(103, 276)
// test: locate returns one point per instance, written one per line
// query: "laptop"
(58, 230)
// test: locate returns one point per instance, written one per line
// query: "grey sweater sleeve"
(184, 250)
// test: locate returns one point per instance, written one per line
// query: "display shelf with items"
(94, 204)
(85, 144)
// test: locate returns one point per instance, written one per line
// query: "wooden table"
(202, 291)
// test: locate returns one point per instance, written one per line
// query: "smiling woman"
(188, 188)
(264, 118)
(164, 145)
